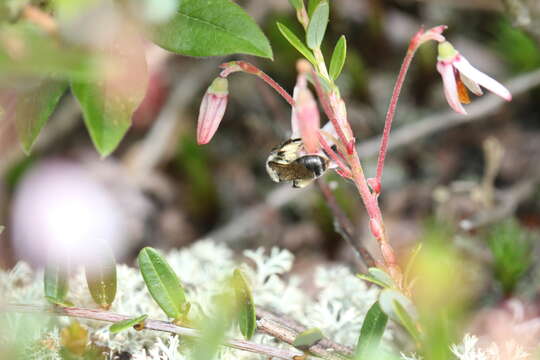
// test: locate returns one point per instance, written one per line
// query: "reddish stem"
(327, 107)
(246, 67)
(413, 46)
(328, 149)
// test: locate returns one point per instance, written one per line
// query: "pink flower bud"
(305, 118)
(212, 109)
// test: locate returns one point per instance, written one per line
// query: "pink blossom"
(458, 75)
(212, 110)
(305, 118)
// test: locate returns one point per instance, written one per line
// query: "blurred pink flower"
(212, 109)
(458, 75)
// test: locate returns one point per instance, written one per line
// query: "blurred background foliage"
(173, 192)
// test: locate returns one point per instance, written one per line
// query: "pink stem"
(413, 46)
(244, 66)
(328, 149)
(327, 107)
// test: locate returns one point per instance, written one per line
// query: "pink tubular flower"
(305, 118)
(459, 75)
(212, 109)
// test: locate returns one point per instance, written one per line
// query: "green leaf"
(101, 278)
(410, 263)
(404, 312)
(212, 28)
(312, 5)
(246, 307)
(371, 279)
(381, 276)
(126, 324)
(297, 43)
(163, 284)
(108, 103)
(55, 283)
(338, 57)
(406, 320)
(297, 4)
(32, 107)
(371, 332)
(308, 338)
(317, 25)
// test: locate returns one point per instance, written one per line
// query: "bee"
(287, 163)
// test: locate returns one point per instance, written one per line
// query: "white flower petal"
(450, 88)
(471, 85)
(465, 68)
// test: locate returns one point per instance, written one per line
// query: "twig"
(288, 335)
(344, 226)
(296, 326)
(157, 325)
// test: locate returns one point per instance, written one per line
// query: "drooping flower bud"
(212, 109)
(305, 118)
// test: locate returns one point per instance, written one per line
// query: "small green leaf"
(308, 338)
(371, 332)
(381, 276)
(371, 279)
(317, 25)
(246, 307)
(338, 57)
(297, 4)
(404, 312)
(406, 320)
(312, 5)
(410, 263)
(55, 281)
(109, 102)
(297, 43)
(162, 282)
(101, 278)
(31, 107)
(126, 324)
(212, 28)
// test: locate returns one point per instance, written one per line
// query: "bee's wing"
(290, 172)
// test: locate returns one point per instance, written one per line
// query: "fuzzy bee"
(287, 163)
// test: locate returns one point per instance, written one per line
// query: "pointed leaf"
(127, 324)
(410, 263)
(108, 103)
(297, 4)
(317, 25)
(371, 332)
(338, 57)
(31, 107)
(297, 43)
(381, 276)
(162, 282)
(55, 283)
(101, 278)
(246, 307)
(312, 4)
(406, 320)
(212, 28)
(371, 279)
(307, 338)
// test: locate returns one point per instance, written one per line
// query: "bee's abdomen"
(314, 163)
